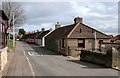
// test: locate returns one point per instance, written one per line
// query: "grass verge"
(10, 44)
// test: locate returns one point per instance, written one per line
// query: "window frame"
(82, 44)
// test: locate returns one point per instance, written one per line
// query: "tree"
(14, 7)
(21, 31)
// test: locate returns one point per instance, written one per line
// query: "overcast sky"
(102, 16)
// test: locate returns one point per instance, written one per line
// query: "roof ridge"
(65, 26)
(73, 29)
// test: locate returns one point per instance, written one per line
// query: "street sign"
(9, 29)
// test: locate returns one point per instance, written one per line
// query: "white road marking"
(33, 54)
(30, 53)
(33, 73)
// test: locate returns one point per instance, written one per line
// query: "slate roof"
(42, 34)
(115, 38)
(31, 35)
(61, 32)
(64, 31)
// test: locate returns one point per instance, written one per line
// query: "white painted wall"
(39, 42)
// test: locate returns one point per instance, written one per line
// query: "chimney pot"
(57, 25)
(77, 20)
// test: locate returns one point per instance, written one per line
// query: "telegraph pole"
(13, 32)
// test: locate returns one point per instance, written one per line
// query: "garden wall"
(3, 59)
(103, 58)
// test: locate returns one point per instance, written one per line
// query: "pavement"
(32, 60)
(17, 64)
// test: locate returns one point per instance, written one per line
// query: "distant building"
(3, 26)
(29, 37)
(36, 37)
(116, 38)
(40, 38)
(70, 39)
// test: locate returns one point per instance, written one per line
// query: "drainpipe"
(95, 41)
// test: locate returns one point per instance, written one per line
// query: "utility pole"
(13, 32)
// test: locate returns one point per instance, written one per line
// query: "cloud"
(42, 10)
(100, 15)
(65, 0)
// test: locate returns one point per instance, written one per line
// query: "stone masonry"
(3, 57)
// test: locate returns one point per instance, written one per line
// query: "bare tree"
(14, 7)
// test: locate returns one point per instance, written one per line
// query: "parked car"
(31, 41)
(17, 39)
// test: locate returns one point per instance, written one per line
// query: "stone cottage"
(40, 38)
(70, 39)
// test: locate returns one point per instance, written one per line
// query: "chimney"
(77, 20)
(57, 25)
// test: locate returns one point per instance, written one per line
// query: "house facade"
(3, 48)
(3, 26)
(40, 38)
(70, 39)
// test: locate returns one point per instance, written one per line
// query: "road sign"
(9, 29)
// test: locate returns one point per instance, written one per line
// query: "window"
(59, 41)
(100, 41)
(63, 43)
(81, 43)
(80, 30)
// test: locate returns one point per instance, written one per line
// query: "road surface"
(32, 60)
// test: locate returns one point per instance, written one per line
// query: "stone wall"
(94, 57)
(115, 52)
(3, 56)
(104, 58)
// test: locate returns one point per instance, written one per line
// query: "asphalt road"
(43, 62)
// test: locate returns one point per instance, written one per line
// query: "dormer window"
(80, 30)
